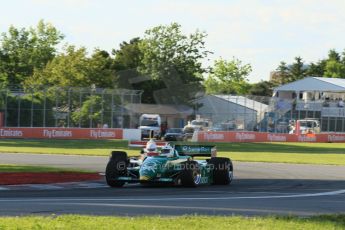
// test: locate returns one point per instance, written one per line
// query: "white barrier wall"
(132, 134)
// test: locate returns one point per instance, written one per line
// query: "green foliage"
(317, 69)
(129, 55)
(173, 60)
(334, 69)
(100, 72)
(66, 147)
(74, 68)
(228, 77)
(334, 55)
(166, 49)
(90, 110)
(297, 69)
(282, 75)
(24, 50)
(333, 66)
(262, 88)
(126, 64)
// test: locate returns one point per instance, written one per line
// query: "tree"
(333, 55)
(100, 72)
(282, 75)
(228, 77)
(262, 88)
(335, 66)
(317, 69)
(91, 110)
(129, 55)
(126, 63)
(172, 61)
(23, 50)
(74, 68)
(298, 70)
(334, 69)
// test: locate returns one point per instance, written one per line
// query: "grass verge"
(10, 168)
(68, 147)
(303, 153)
(184, 222)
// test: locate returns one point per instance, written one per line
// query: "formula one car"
(172, 165)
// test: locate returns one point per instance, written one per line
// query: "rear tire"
(117, 166)
(222, 170)
(190, 176)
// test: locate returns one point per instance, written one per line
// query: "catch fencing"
(67, 107)
(71, 107)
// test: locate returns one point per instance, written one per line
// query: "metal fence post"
(6, 108)
(112, 110)
(18, 111)
(32, 109)
(91, 110)
(69, 107)
(56, 105)
(102, 108)
(80, 97)
(44, 107)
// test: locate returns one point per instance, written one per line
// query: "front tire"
(117, 166)
(223, 170)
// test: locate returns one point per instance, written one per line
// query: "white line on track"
(331, 193)
(44, 186)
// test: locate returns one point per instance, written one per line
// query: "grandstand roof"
(315, 84)
(243, 101)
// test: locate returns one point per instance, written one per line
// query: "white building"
(314, 97)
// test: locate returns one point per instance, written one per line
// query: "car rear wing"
(196, 150)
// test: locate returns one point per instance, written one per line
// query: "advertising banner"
(268, 137)
(61, 133)
(220, 136)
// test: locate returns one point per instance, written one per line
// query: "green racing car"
(173, 165)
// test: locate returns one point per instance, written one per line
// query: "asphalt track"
(258, 189)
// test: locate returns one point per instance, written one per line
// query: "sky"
(261, 33)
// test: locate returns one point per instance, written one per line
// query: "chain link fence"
(67, 107)
(95, 107)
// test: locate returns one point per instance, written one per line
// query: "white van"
(150, 126)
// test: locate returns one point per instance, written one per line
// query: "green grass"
(70, 147)
(184, 222)
(305, 153)
(30, 168)
(299, 153)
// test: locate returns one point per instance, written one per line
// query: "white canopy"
(321, 84)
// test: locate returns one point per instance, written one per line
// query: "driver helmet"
(167, 151)
(151, 148)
